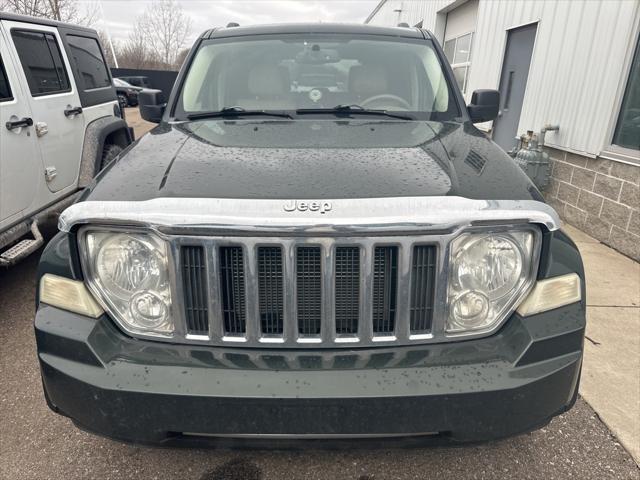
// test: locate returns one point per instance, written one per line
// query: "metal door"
(513, 83)
(20, 162)
(54, 100)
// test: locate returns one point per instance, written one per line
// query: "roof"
(43, 21)
(353, 28)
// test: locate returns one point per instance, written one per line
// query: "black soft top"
(344, 28)
(43, 21)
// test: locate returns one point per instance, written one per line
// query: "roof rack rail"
(232, 24)
(403, 24)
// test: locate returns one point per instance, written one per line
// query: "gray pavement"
(610, 379)
(37, 444)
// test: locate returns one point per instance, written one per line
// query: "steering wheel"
(399, 101)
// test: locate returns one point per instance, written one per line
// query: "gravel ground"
(37, 444)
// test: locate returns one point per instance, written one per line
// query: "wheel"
(110, 152)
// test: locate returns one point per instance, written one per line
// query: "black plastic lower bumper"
(147, 392)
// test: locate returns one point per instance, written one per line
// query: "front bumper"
(140, 391)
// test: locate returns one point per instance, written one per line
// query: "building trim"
(621, 154)
(524, 24)
(609, 147)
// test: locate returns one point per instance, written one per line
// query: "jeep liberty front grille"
(325, 295)
(328, 292)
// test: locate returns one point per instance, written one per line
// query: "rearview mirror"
(317, 56)
(152, 105)
(484, 105)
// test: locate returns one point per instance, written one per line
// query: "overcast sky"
(120, 15)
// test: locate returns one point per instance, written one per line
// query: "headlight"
(488, 274)
(128, 273)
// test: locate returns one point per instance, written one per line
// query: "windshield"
(293, 72)
(120, 83)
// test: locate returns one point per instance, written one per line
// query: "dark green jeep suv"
(315, 243)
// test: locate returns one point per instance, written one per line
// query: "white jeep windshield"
(291, 72)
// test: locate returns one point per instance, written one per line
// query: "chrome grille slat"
(216, 327)
(290, 330)
(404, 292)
(365, 333)
(328, 329)
(251, 281)
(308, 292)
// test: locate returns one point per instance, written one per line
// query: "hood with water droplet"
(313, 159)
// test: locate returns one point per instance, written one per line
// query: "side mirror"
(152, 105)
(484, 105)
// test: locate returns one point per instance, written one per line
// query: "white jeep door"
(20, 162)
(54, 100)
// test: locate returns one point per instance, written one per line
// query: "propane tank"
(533, 160)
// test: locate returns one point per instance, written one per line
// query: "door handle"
(69, 111)
(23, 122)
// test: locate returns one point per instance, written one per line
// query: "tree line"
(157, 40)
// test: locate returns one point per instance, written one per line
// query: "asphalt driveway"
(37, 444)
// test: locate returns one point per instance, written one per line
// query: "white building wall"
(411, 11)
(579, 66)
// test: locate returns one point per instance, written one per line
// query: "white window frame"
(611, 151)
(467, 63)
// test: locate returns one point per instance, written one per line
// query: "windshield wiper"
(347, 110)
(230, 112)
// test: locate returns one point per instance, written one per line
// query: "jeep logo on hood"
(307, 206)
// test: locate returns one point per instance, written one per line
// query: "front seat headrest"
(368, 80)
(268, 80)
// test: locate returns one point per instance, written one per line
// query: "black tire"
(110, 152)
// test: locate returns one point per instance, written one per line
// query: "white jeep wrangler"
(60, 123)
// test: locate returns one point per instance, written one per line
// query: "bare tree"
(22, 7)
(69, 11)
(180, 58)
(136, 52)
(158, 38)
(165, 27)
